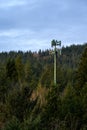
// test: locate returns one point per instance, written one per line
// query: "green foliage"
(82, 70)
(19, 103)
(29, 74)
(11, 70)
(30, 124)
(51, 112)
(19, 69)
(84, 104)
(64, 108)
(12, 124)
(4, 84)
(47, 77)
(71, 108)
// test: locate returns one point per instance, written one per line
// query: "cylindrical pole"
(55, 66)
(54, 44)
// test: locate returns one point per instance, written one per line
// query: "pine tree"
(11, 71)
(19, 68)
(82, 70)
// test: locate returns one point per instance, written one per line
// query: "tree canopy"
(30, 101)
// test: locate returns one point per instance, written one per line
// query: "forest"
(28, 98)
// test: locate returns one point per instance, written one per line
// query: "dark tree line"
(30, 101)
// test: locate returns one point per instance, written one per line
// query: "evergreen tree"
(82, 70)
(19, 69)
(11, 70)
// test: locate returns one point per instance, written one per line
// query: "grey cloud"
(38, 21)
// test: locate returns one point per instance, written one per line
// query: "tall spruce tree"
(82, 70)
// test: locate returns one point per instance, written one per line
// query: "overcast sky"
(32, 24)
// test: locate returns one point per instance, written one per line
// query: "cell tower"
(55, 43)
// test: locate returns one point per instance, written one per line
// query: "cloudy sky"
(32, 24)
